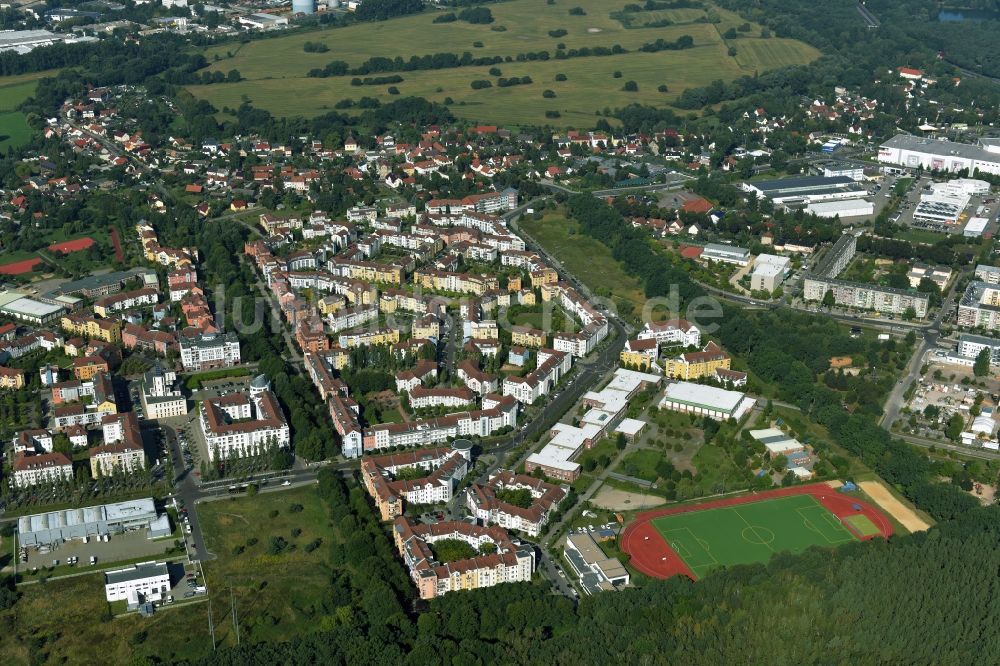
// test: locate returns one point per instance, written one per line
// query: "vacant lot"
(275, 69)
(275, 594)
(586, 258)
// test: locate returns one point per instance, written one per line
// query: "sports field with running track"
(695, 539)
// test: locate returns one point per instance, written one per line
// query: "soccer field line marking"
(763, 543)
(687, 554)
(831, 521)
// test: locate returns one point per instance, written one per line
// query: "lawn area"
(641, 464)
(585, 257)
(752, 532)
(272, 67)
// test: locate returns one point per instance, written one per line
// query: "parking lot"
(118, 548)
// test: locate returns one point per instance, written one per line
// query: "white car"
(287, 483)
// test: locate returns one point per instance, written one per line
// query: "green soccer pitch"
(751, 532)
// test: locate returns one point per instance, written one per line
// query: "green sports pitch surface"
(752, 532)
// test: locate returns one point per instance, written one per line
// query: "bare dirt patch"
(888, 502)
(614, 499)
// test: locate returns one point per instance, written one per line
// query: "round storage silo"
(303, 6)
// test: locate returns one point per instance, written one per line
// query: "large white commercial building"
(54, 527)
(161, 399)
(769, 271)
(704, 400)
(979, 306)
(936, 154)
(844, 208)
(597, 571)
(209, 350)
(238, 424)
(726, 254)
(970, 346)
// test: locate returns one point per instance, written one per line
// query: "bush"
(548, 94)
(315, 47)
(445, 18)
(553, 114)
(479, 84)
(238, 550)
(560, 77)
(273, 513)
(558, 33)
(476, 15)
(313, 545)
(617, 74)
(276, 545)
(296, 531)
(495, 71)
(393, 90)
(577, 11)
(662, 88)
(252, 541)
(477, 45)
(295, 508)
(630, 86)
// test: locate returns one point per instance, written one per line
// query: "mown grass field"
(586, 258)
(14, 130)
(275, 69)
(275, 594)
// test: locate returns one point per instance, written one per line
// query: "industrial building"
(54, 527)
(866, 296)
(844, 208)
(704, 400)
(806, 190)
(938, 155)
(263, 22)
(23, 41)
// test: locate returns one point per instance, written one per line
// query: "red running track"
(651, 555)
(117, 243)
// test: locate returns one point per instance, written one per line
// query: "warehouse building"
(55, 527)
(806, 190)
(845, 208)
(937, 155)
(704, 400)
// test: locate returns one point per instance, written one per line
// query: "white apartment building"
(209, 350)
(238, 424)
(31, 470)
(673, 332)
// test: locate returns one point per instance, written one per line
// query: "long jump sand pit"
(614, 499)
(885, 499)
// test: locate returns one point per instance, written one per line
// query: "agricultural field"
(275, 69)
(586, 258)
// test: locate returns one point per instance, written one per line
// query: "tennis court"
(752, 532)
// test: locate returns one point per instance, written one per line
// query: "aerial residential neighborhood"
(389, 331)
